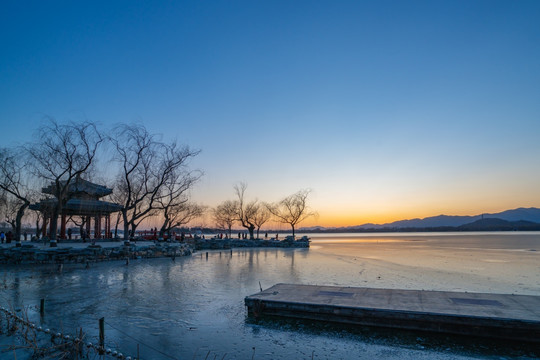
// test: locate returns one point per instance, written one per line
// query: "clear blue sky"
(385, 109)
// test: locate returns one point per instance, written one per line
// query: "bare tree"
(15, 186)
(147, 167)
(10, 210)
(174, 203)
(178, 215)
(39, 221)
(225, 215)
(262, 215)
(246, 212)
(61, 154)
(80, 222)
(293, 209)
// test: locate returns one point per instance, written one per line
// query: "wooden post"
(42, 307)
(102, 333)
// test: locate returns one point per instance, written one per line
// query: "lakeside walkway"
(505, 316)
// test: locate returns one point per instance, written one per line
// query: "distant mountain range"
(516, 219)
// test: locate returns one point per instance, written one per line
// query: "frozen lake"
(193, 308)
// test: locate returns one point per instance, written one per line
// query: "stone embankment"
(76, 253)
(31, 254)
(218, 244)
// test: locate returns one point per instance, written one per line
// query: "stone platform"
(505, 316)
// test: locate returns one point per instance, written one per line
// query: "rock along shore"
(32, 254)
(218, 244)
(77, 252)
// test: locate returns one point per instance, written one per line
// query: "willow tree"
(293, 209)
(175, 205)
(147, 168)
(246, 211)
(261, 217)
(225, 215)
(15, 188)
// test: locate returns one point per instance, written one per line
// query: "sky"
(385, 110)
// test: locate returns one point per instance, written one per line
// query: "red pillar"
(100, 226)
(108, 225)
(106, 235)
(63, 227)
(96, 227)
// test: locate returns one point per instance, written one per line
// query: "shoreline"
(105, 250)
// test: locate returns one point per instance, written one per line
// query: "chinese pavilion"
(83, 201)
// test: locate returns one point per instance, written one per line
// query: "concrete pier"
(515, 317)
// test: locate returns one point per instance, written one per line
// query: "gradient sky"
(385, 109)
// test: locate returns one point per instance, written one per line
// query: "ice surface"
(194, 305)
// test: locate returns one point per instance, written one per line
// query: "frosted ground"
(193, 308)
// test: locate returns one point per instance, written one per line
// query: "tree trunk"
(133, 228)
(292, 230)
(162, 232)
(251, 230)
(258, 232)
(126, 225)
(54, 223)
(116, 226)
(18, 220)
(38, 228)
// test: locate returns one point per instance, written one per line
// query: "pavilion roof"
(79, 185)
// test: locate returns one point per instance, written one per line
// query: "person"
(266, 235)
(9, 237)
(2, 237)
(69, 233)
(25, 236)
(277, 236)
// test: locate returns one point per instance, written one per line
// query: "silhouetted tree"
(39, 221)
(147, 167)
(293, 209)
(17, 192)
(225, 215)
(245, 212)
(262, 215)
(79, 221)
(174, 203)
